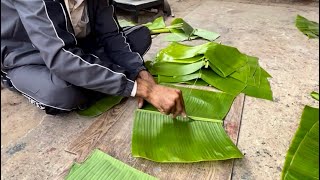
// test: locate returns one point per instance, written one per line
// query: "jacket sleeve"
(47, 26)
(114, 41)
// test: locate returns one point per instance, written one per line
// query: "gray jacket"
(40, 32)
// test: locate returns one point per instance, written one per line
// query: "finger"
(178, 108)
(183, 111)
(140, 102)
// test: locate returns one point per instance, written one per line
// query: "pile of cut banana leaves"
(221, 66)
(302, 160)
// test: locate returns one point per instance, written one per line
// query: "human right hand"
(166, 100)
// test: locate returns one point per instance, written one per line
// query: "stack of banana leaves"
(221, 66)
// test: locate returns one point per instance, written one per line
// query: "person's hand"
(145, 75)
(166, 100)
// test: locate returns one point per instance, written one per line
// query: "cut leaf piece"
(160, 138)
(225, 58)
(102, 166)
(228, 84)
(208, 35)
(174, 69)
(315, 95)
(309, 117)
(309, 28)
(101, 106)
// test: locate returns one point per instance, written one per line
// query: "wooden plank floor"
(112, 132)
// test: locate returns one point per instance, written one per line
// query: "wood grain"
(87, 140)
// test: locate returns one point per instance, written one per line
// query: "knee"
(45, 88)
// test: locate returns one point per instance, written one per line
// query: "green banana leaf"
(125, 23)
(180, 51)
(303, 146)
(162, 139)
(187, 29)
(226, 59)
(208, 35)
(178, 79)
(174, 69)
(315, 95)
(309, 28)
(100, 106)
(228, 84)
(102, 166)
(178, 35)
(199, 104)
(262, 91)
(156, 24)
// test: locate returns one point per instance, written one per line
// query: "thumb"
(140, 103)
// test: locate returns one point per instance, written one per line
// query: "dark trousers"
(54, 92)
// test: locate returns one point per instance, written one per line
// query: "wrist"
(144, 88)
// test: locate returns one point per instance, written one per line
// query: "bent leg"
(45, 89)
(139, 38)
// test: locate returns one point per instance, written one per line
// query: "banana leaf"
(102, 166)
(162, 139)
(174, 69)
(262, 91)
(242, 74)
(226, 59)
(199, 104)
(178, 79)
(309, 119)
(187, 29)
(180, 51)
(100, 106)
(315, 95)
(178, 35)
(309, 28)
(125, 23)
(156, 24)
(208, 35)
(228, 84)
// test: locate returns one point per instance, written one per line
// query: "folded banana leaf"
(100, 106)
(302, 160)
(309, 28)
(200, 137)
(187, 32)
(102, 166)
(226, 59)
(187, 29)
